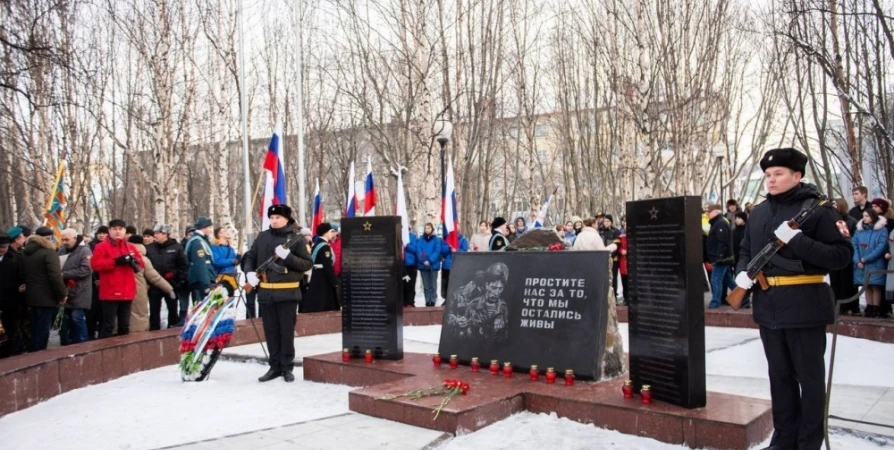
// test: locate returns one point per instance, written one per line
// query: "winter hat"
(135, 239)
(576, 219)
(130, 229)
(882, 204)
(334, 226)
(190, 229)
(163, 228)
(117, 223)
(304, 231)
(14, 233)
(281, 210)
(26, 231)
(610, 218)
(742, 215)
(323, 228)
(43, 232)
(784, 157)
(148, 232)
(203, 222)
(498, 222)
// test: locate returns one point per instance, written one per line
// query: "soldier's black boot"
(288, 377)
(870, 311)
(270, 375)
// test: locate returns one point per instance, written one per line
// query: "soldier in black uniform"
(793, 313)
(321, 293)
(279, 292)
(498, 239)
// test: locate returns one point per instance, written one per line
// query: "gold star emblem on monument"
(367, 226)
(653, 213)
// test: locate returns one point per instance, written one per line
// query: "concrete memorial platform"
(726, 422)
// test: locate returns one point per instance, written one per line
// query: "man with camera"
(117, 262)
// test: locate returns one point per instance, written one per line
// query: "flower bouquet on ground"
(449, 389)
(207, 331)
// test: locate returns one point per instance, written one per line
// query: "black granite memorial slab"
(372, 314)
(543, 308)
(667, 310)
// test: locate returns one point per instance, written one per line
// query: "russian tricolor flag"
(351, 206)
(448, 209)
(318, 210)
(274, 176)
(369, 202)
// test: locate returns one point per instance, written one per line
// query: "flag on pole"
(401, 209)
(54, 215)
(318, 210)
(351, 208)
(369, 201)
(541, 217)
(274, 176)
(448, 209)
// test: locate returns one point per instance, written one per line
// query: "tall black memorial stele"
(372, 313)
(667, 309)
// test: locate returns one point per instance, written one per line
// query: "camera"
(133, 263)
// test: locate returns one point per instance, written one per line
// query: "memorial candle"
(454, 361)
(436, 359)
(494, 367)
(550, 375)
(569, 377)
(507, 369)
(475, 365)
(534, 373)
(346, 355)
(646, 394)
(627, 389)
(369, 356)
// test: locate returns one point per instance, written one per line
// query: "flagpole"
(246, 173)
(302, 190)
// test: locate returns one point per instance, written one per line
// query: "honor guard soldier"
(498, 240)
(793, 312)
(276, 263)
(321, 293)
(201, 261)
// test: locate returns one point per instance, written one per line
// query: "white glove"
(785, 233)
(252, 278)
(172, 295)
(318, 266)
(282, 252)
(743, 281)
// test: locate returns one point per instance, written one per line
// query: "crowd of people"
(868, 224)
(116, 281)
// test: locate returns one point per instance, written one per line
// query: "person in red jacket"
(117, 262)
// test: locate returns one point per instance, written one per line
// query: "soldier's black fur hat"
(785, 157)
(281, 210)
(498, 222)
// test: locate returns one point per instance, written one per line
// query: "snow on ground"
(155, 409)
(527, 430)
(130, 412)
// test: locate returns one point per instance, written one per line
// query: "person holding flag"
(54, 217)
(369, 200)
(541, 216)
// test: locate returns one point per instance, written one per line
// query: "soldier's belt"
(793, 280)
(291, 285)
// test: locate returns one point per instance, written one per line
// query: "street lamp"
(442, 130)
(720, 153)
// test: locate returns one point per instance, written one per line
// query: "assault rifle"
(262, 269)
(755, 268)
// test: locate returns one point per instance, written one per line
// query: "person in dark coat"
(279, 292)
(842, 280)
(78, 277)
(611, 235)
(740, 220)
(12, 302)
(94, 316)
(499, 231)
(793, 312)
(44, 288)
(720, 255)
(169, 260)
(321, 292)
(198, 251)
